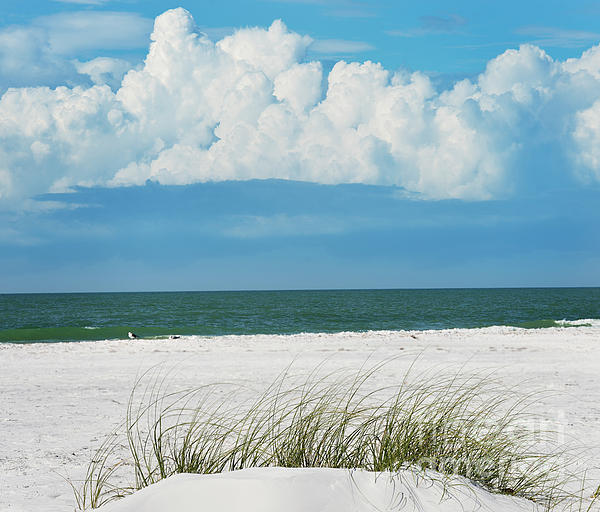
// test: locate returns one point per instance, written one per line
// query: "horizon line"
(271, 290)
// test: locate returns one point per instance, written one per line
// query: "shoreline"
(560, 325)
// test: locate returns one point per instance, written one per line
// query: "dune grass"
(450, 425)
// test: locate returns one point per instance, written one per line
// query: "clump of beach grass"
(450, 425)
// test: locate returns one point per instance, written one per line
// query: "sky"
(293, 144)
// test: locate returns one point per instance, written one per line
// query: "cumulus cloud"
(104, 70)
(251, 106)
(587, 139)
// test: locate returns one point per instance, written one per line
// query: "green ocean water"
(28, 318)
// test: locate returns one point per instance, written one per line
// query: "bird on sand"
(132, 335)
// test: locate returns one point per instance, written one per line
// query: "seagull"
(132, 335)
(174, 337)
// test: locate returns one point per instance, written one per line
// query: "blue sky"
(280, 234)
(351, 145)
(435, 36)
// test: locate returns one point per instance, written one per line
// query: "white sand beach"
(60, 400)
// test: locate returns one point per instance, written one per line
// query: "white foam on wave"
(570, 326)
(583, 322)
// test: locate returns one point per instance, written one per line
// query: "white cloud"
(299, 86)
(104, 70)
(587, 139)
(26, 58)
(250, 106)
(41, 53)
(72, 32)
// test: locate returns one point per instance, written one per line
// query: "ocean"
(29, 318)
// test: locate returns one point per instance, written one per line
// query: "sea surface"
(28, 318)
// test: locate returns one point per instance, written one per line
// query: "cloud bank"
(251, 107)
